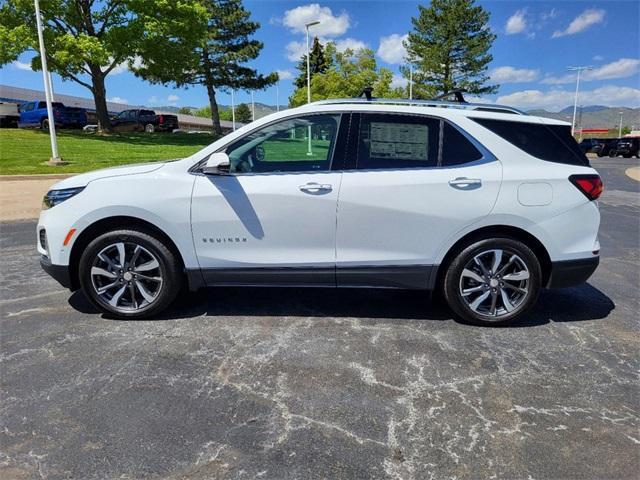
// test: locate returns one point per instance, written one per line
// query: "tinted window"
(456, 148)
(397, 141)
(286, 146)
(553, 143)
(146, 113)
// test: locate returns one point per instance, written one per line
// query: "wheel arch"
(115, 223)
(493, 231)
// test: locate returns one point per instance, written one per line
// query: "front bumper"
(568, 273)
(60, 273)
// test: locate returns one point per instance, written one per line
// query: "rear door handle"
(313, 187)
(465, 182)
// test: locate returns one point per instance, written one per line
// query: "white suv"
(482, 201)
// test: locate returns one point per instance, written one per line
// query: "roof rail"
(483, 107)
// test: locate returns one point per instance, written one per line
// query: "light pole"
(307, 25)
(620, 127)
(277, 97)
(575, 100)
(253, 108)
(55, 158)
(410, 81)
(233, 111)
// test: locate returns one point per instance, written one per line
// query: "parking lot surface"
(305, 384)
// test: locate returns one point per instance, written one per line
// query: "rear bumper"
(568, 273)
(59, 273)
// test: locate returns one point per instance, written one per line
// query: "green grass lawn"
(24, 152)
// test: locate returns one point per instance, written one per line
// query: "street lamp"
(620, 127)
(307, 25)
(55, 158)
(575, 100)
(233, 111)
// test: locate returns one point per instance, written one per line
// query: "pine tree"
(449, 48)
(218, 61)
(243, 113)
(317, 64)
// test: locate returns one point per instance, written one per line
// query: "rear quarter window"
(553, 143)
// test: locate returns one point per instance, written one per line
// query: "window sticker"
(402, 141)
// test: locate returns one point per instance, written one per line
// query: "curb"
(634, 173)
(46, 176)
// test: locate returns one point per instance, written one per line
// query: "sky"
(536, 42)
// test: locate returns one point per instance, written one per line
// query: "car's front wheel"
(493, 281)
(129, 274)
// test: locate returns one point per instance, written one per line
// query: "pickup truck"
(9, 115)
(139, 120)
(34, 114)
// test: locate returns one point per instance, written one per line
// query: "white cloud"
(124, 66)
(517, 23)
(391, 48)
(553, 13)
(153, 100)
(330, 25)
(622, 68)
(398, 81)
(509, 74)
(583, 21)
(350, 43)
(118, 100)
(173, 98)
(610, 95)
(21, 65)
(284, 74)
(295, 50)
(598, 58)
(625, 67)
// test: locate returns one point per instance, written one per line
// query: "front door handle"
(464, 182)
(313, 187)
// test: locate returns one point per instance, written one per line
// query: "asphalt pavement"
(310, 384)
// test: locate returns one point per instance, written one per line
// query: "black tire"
(452, 282)
(44, 125)
(169, 271)
(612, 154)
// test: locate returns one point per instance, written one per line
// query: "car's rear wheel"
(129, 274)
(149, 128)
(44, 125)
(493, 281)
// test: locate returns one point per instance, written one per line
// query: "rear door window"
(456, 148)
(553, 143)
(397, 141)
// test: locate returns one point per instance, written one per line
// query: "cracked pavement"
(306, 384)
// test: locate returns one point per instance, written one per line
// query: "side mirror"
(217, 164)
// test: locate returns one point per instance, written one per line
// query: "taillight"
(590, 185)
(160, 119)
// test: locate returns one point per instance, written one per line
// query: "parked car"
(9, 115)
(34, 114)
(603, 149)
(141, 120)
(588, 144)
(483, 202)
(627, 147)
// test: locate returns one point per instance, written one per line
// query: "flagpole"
(55, 158)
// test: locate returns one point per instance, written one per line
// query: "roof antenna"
(457, 93)
(366, 92)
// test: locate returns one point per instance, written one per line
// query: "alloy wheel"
(126, 276)
(494, 283)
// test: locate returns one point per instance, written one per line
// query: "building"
(186, 122)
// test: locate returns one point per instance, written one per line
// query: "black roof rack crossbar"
(457, 93)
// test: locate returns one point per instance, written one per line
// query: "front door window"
(301, 144)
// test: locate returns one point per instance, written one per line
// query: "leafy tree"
(243, 113)
(317, 63)
(185, 111)
(348, 74)
(449, 48)
(216, 61)
(86, 40)
(205, 112)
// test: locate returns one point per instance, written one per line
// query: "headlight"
(54, 197)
